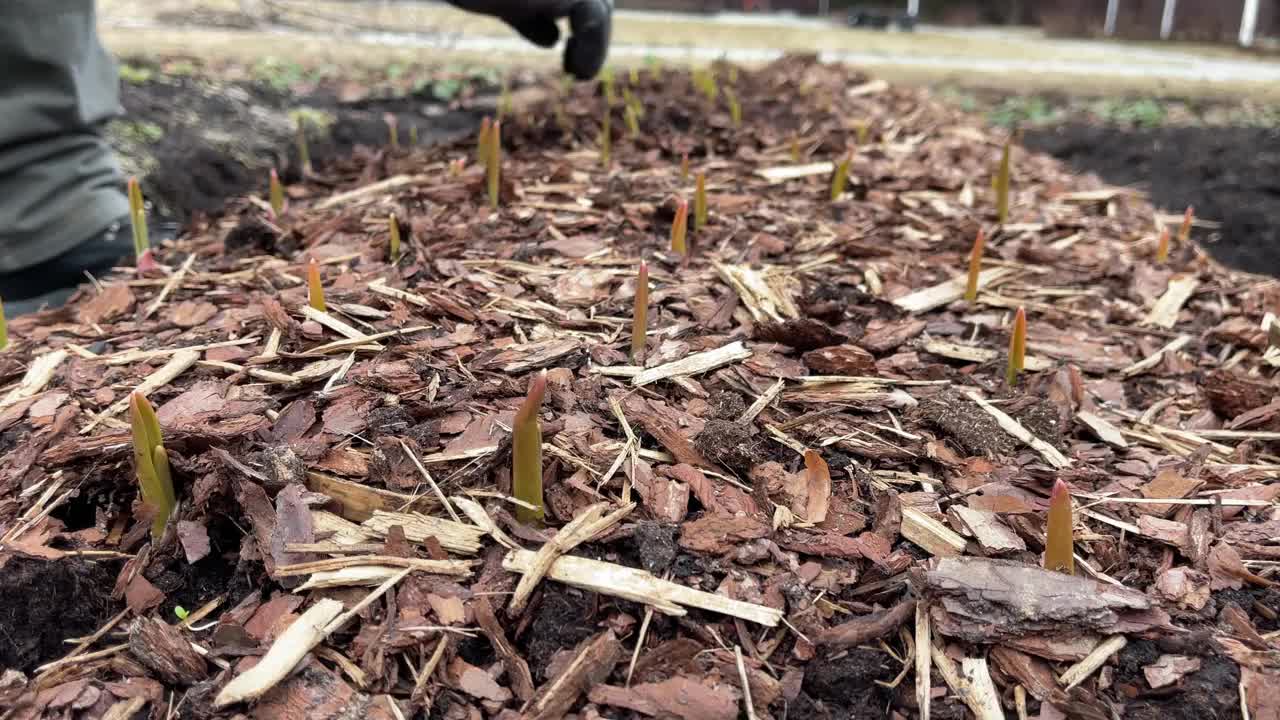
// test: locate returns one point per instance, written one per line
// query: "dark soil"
(46, 602)
(1210, 692)
(846, 685)
(197, 143)
(562, 619)
(1230, 175)
(959, 419)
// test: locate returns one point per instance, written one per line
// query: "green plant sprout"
(394, 231)
(4, 328)
(735, 108)
(181, 612)
(276, 195)
(393, 130)
(138, 218)
(606, 137)
(1002, 184)
(526, 452)
(151, 462)
(304, 150)
(700, 202)
(315, 291)
(840, 177)
(1017, 348)
(705, 80)
(413, 135)
(493, 170)
(684, 167)
(634, 75)
(862, 132)
(505, 104)
(631, 101)
(640, 314)
(1059, 553)
(633, 122)
(606, 84)
(482, 142)
(975, 266)
(680, 228)
(795, 149)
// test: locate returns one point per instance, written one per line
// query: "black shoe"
(50, 283)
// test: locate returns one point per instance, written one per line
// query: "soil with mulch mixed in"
(345, 544)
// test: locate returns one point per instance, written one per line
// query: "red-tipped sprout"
(680, 228)
(1184, 232)
(1162, 246)
(1059, 553)
(975, 266)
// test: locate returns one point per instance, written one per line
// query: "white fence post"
(1109, 25)
(1166, 20)
(1248, 22)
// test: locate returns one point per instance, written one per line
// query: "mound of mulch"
(345, 544)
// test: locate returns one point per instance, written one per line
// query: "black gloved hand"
(590, 23)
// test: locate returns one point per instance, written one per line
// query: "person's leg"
(60, 188)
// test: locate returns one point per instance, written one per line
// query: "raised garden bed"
(344, 545)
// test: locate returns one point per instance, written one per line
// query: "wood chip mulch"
(345, 545)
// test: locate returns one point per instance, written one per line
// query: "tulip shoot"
(526, 452)
(1017, 347)
(1059, 552)
(640, 314)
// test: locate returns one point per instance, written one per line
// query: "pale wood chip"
(1154, 359)
(694, 364)
(766, 295)
(37, 376)
(951, 290)
(334, 324)
(1076, 674)
(639, 586)
(181, 361)
(374, 190)
(1105, 431)
(1050, 454)
(931, 535)
(587, 524)
(289, 648)
(970, 353)
(782, 173)
(1165, 312)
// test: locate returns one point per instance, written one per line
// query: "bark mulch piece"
(815, 496)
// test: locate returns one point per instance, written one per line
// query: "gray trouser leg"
(59, 184)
